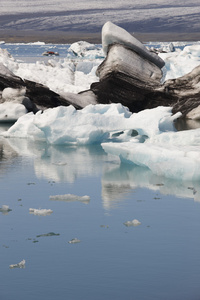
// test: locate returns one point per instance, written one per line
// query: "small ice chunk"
(48, 234)
(40, 212)
(134, 222)
(5, 209)
(70, 198)
(74, 241)
(20, 265)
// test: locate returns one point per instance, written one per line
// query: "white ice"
(66, 125)
(113, 125)
(40, 211)
(86, 50)
(180, 62)
(65, 75)
(5, 208)
(74, 241)
(20, 265)
(10, 112)
(134, 222)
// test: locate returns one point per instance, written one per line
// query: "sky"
(136, 16)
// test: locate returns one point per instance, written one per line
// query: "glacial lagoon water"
(158, 259)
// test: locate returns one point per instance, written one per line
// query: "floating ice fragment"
(20, 265)
(40, 212)
(5, 209)
(74, 241)
(48, 234)
(70, 198)
(134, 222)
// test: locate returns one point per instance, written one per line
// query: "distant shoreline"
(61, 37)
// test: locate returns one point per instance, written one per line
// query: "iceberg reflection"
(68, 163)
(123, 178)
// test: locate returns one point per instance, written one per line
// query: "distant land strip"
(62, 37)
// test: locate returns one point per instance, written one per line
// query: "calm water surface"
(159, 259)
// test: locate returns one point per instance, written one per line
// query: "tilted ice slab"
(112, 33)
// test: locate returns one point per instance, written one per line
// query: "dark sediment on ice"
(130, 75)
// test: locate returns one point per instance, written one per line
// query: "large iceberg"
(138, 138)
(93, 124)
(130, 74)
(146, 138)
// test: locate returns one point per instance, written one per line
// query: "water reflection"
(123, 178)
(66, 164)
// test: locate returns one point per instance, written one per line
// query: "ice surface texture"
(99, 123)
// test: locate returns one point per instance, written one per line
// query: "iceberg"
(112, 34)
(137, 138)
(130, 74)
(66, 125)
(93, 124)
(173, 162)
(85, 49)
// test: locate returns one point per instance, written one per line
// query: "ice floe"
(74, 241)
(20, 265)
(40, 212)
(5, 209)
(134, 222)
(48, 234)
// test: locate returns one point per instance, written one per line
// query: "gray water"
(158, 259)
